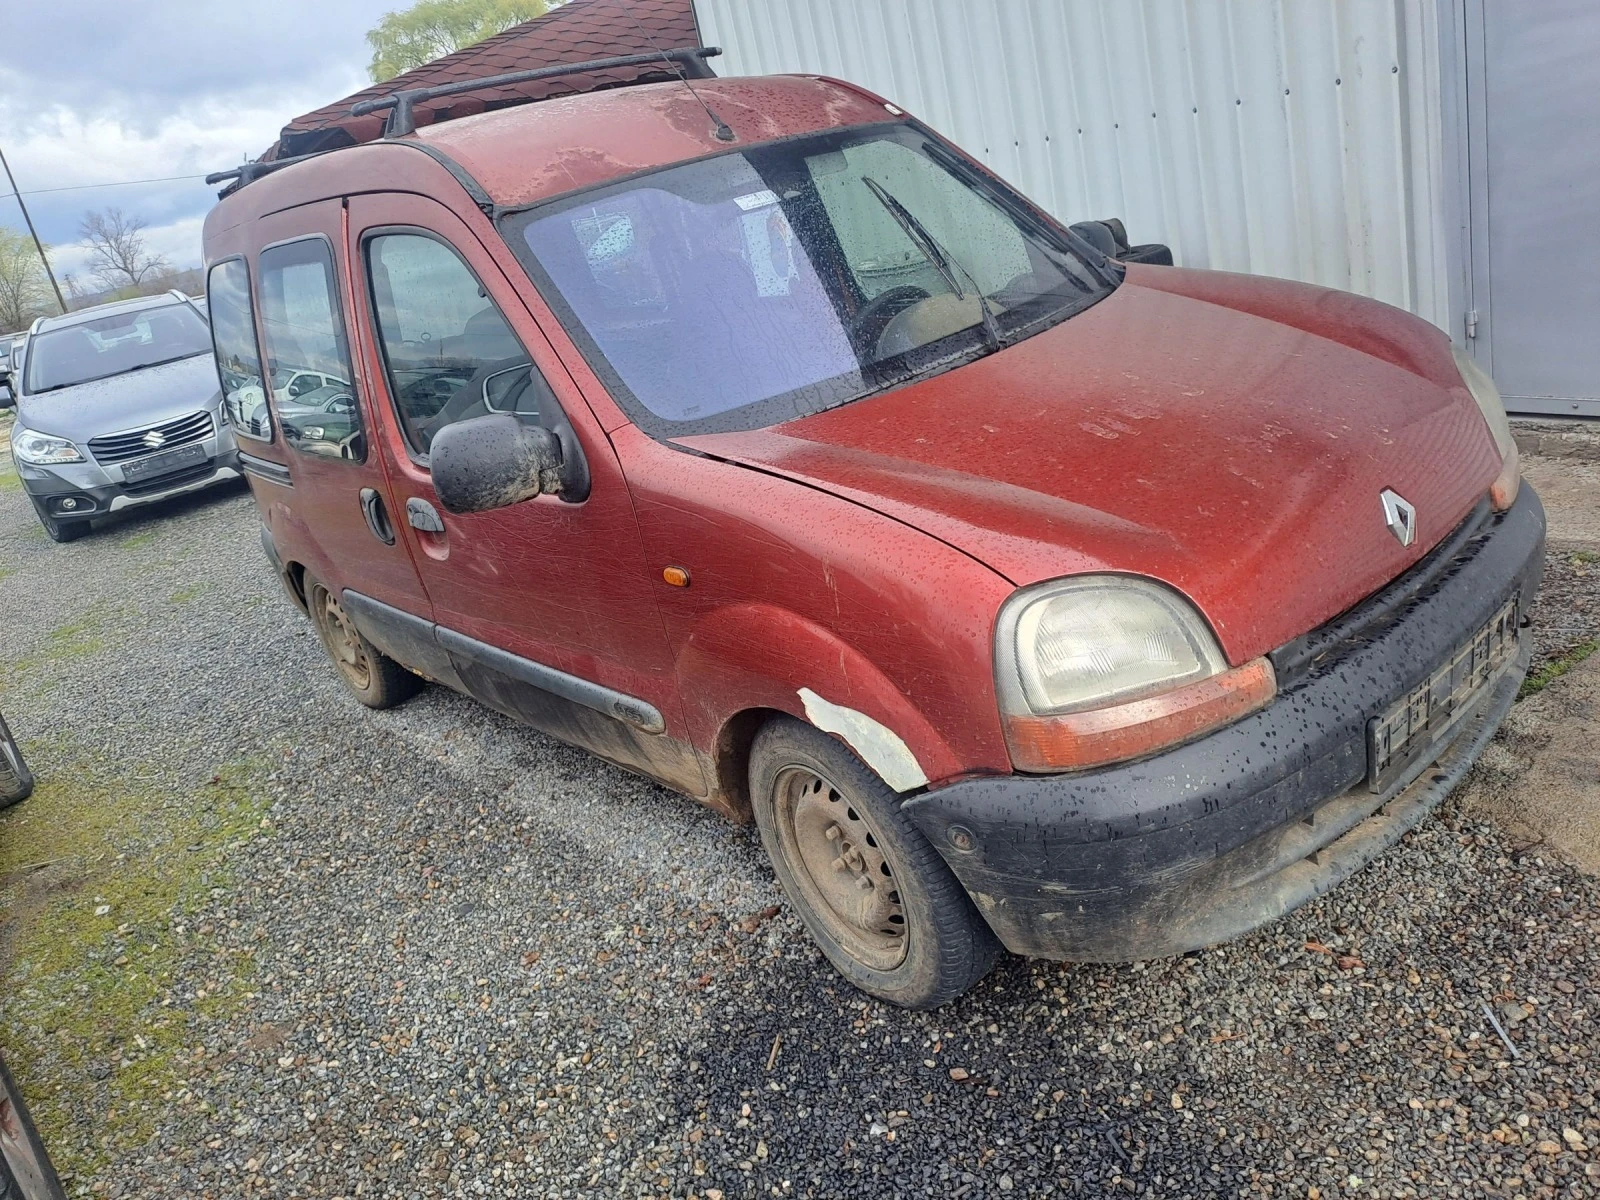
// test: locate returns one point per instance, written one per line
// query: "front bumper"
(1205, 842)
(96, 490)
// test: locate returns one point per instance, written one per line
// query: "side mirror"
(8, 398)
(492, 462)
(1110, 237)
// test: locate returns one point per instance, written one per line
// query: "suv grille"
(119, 447)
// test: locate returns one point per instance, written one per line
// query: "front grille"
(1326, 646)
(119, 447)
(163, 482)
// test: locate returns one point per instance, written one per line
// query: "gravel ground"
(459, 959)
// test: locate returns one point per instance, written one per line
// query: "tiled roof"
(578, 31)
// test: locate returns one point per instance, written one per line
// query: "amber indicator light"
(676, 576)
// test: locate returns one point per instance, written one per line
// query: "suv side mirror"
(1110, 237)
(492, 462)
(8, 398)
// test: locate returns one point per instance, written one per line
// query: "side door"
(340, 523)
(546, 607)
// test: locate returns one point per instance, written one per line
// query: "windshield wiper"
(937, 255)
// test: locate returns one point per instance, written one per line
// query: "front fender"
(755, 656)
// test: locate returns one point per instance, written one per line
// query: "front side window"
(115, 345)
(753, 287)
(450, 354)
(308, 361)
(233, 336)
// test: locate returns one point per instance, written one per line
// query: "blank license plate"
(163, 464)
(1414, 725)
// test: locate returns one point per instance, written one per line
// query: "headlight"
(42, 450)
(1503, 492)
(1103, 668)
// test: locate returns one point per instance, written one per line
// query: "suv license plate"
(141, 469)
(1417, 722)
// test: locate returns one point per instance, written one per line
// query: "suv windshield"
(113, 345)
(754, 287)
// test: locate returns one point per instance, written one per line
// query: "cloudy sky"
(96, 92)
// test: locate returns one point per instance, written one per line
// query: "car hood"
(1228, 435)
(121, 402)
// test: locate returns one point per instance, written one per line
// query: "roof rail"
(689, 62)
(249, 172)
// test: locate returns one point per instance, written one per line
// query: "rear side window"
(308, 360)
(233, 336)
(450, 354)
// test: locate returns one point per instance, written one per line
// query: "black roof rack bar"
(402, 118)
(249, 172)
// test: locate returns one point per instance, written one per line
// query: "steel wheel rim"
(836, 856)
(344, 643)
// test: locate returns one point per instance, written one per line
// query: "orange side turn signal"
(676, 576)
(1073, 741)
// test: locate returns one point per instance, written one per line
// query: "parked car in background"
(761, 440)
(118, 405)
(10, 349)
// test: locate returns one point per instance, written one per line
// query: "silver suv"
(118, 405)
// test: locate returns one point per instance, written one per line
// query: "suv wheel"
(375, 678)
(59, 530)
(16, 781)
(878, 899)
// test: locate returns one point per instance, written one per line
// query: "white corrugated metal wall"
(1284, 137)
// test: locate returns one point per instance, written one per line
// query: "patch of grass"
(183, 595)
(1584, 558)
(10, 481)
(96, 937)
(1557, 667)
(136, 540)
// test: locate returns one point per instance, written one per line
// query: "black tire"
(60, 531)
(945, 947)
(16, 781)
(372, 676)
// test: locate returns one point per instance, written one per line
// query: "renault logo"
(1399, 516)
(155, 439)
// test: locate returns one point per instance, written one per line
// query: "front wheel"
(16, 781)
(878, 899)
(59, 530)
(375, 678)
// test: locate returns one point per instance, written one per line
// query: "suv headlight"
(42, 450)
(1103, 668)
(1503, 491)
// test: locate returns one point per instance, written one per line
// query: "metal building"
(1441, 155)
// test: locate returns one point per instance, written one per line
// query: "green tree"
(430, 29)
(24, 292)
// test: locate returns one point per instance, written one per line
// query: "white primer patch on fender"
(879, 746)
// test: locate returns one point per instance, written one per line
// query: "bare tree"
(117, 253)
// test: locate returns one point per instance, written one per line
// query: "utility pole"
(37, 245)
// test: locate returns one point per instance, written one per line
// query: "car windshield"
(114, 345)
(750, 288)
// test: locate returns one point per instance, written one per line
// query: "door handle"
(377, 519)
(423, 516)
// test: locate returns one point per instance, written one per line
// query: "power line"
(84, 187)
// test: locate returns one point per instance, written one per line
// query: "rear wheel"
(878, 899)
(16, 781)
(59, 530)
(376, 679)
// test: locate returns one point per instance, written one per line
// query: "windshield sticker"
(756, 199)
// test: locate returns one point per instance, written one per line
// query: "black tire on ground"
(16, 781)
(60, 531)
(878, 899)
(375, 679)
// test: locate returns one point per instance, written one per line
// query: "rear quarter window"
(233, 337)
